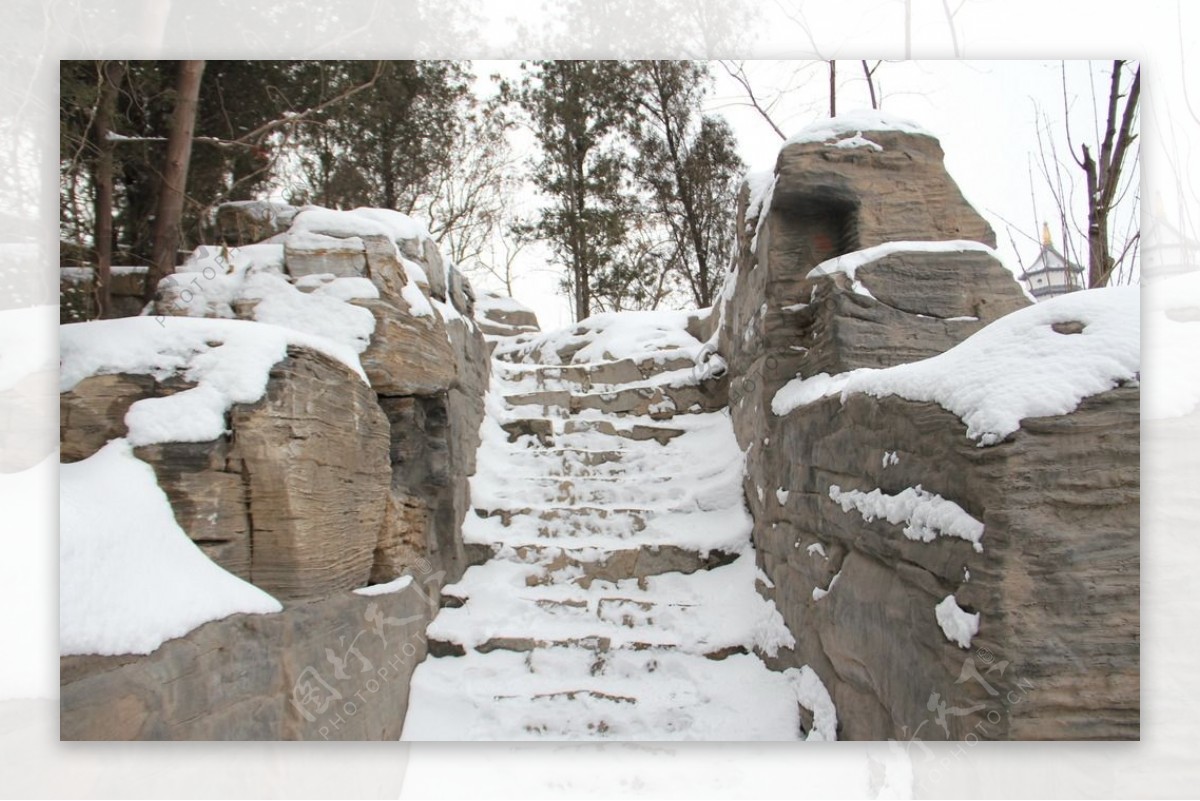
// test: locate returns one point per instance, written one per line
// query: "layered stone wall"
(1056, 582)
(324, 486)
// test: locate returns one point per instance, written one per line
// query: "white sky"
(984, 113)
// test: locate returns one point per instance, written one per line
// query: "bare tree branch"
(739, 75)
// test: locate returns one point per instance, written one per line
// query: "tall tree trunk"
(832, 88)
(870, 84)
(174, 175)
(111, 75)
(1103, 177)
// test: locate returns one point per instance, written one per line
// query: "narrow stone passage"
(619, 599)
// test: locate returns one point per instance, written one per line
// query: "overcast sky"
(986, 114)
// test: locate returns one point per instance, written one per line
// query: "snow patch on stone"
(958, 626)
(925, 515)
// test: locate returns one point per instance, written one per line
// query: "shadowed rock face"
(1056, 584)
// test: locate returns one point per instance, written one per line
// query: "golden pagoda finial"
(1046, 234)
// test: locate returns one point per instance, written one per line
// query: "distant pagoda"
(1051, 274)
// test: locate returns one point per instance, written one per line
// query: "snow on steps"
(612, 592)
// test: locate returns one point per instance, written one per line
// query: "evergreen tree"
(688, 162)
(401, 135)
(581, 112)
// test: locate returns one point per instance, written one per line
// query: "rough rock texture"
(314, 458)
(869, 194)
(384, 269)
(291, 500)
(333, 669)
(323, 486)
(1056, 584)
(77, 292)
(405, 539)
(341, 257)
(504, 319)
(244, 222)
(408, 355)
(831, 201)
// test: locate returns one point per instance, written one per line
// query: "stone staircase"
(614, 592)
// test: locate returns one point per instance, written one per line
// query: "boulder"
(830, 201)
(861, 197)
(408, 355)
(314, 455)
(1056, 584)
(314, 254)
(245, 222)
(502, 316)
(332, 669)
(291, 500)
(324, 485)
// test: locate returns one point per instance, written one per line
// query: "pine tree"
(688, 161)
(580, 112)
(401, 135)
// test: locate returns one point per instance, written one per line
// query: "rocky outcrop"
(323, 486)
(501, 316)
(824, 202)
(245, 222)
(291, 499)
(333, 669)
(1056, 582)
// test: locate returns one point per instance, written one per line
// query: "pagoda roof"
(1050, 260)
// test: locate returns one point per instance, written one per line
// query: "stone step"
(621, 694)
(587, 565)
(560, 462)
(655, 402)
(594, 374)
(547, 432)
(599, 623)
(607, 491)
(573, 521)
(594, 643)
(513, 604)
(692, 526)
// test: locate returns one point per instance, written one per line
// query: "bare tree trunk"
(832, 88)
(1103, 177)
(174, 175)
(870, 73)
(111, 75)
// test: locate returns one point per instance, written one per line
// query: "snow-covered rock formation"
(309, 408)
(943, 479)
